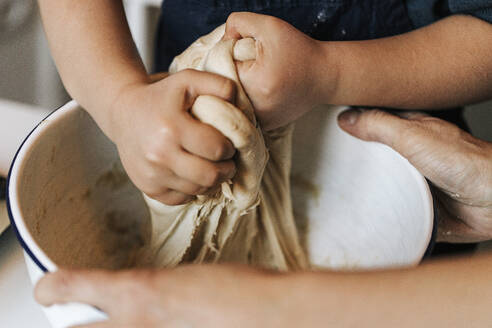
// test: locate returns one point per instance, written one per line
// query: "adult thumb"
(375, 125)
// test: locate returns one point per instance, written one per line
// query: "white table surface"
(17, 306)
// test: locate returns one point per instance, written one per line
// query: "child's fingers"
(205, 141)
(201, 171)
(247, 72)
(244, 24)
(198, 83)
(176, 183)
(173, 197)
(244, 50)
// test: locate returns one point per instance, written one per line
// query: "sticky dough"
(249, 220)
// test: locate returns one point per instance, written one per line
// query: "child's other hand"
(167, 153)
(282, 82)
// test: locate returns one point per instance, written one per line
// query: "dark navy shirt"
(425, 12)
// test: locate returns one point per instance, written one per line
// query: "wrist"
(327, 70)
(120, 103)
(352, 75)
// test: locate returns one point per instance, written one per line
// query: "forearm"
(444, 64)
(449, 293)
(93, 50)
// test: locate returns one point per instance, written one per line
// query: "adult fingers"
(411, 115)
(373, 125)
(90, 287)
(438, 149)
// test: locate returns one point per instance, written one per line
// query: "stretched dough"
(249, 220)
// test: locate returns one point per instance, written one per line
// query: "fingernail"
(349, 117)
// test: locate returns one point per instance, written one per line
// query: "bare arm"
(449, 293)
(167, 154)
(445, 64)
(94, 51)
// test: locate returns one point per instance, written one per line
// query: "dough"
(249, 220)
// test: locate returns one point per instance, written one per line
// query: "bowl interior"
(360, 204)
(357, 204)
(74, 197)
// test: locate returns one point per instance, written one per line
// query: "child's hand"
(282, 82)
(167, 153)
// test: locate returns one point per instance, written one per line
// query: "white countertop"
(17, 306)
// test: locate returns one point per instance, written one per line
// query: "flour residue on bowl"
(103, 224)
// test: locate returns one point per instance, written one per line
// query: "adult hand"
(188, 296)
(283, 81)
(166, 152)
(458, 165)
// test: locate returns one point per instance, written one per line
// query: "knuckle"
(367, 122)
(64, 278)
(153, 156)
(408, 137)
(169, 131)
(375, 114)
(62, 281)
(233, 17)
(274, 23)
(157, 150)
(268, 88)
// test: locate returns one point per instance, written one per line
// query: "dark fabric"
(183, 21)
(425, 12)
(447, 249)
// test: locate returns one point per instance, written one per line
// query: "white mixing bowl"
(361, 205)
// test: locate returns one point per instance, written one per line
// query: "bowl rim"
(39, 257)
(16, 218)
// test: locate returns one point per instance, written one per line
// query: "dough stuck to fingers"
(249, 220)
